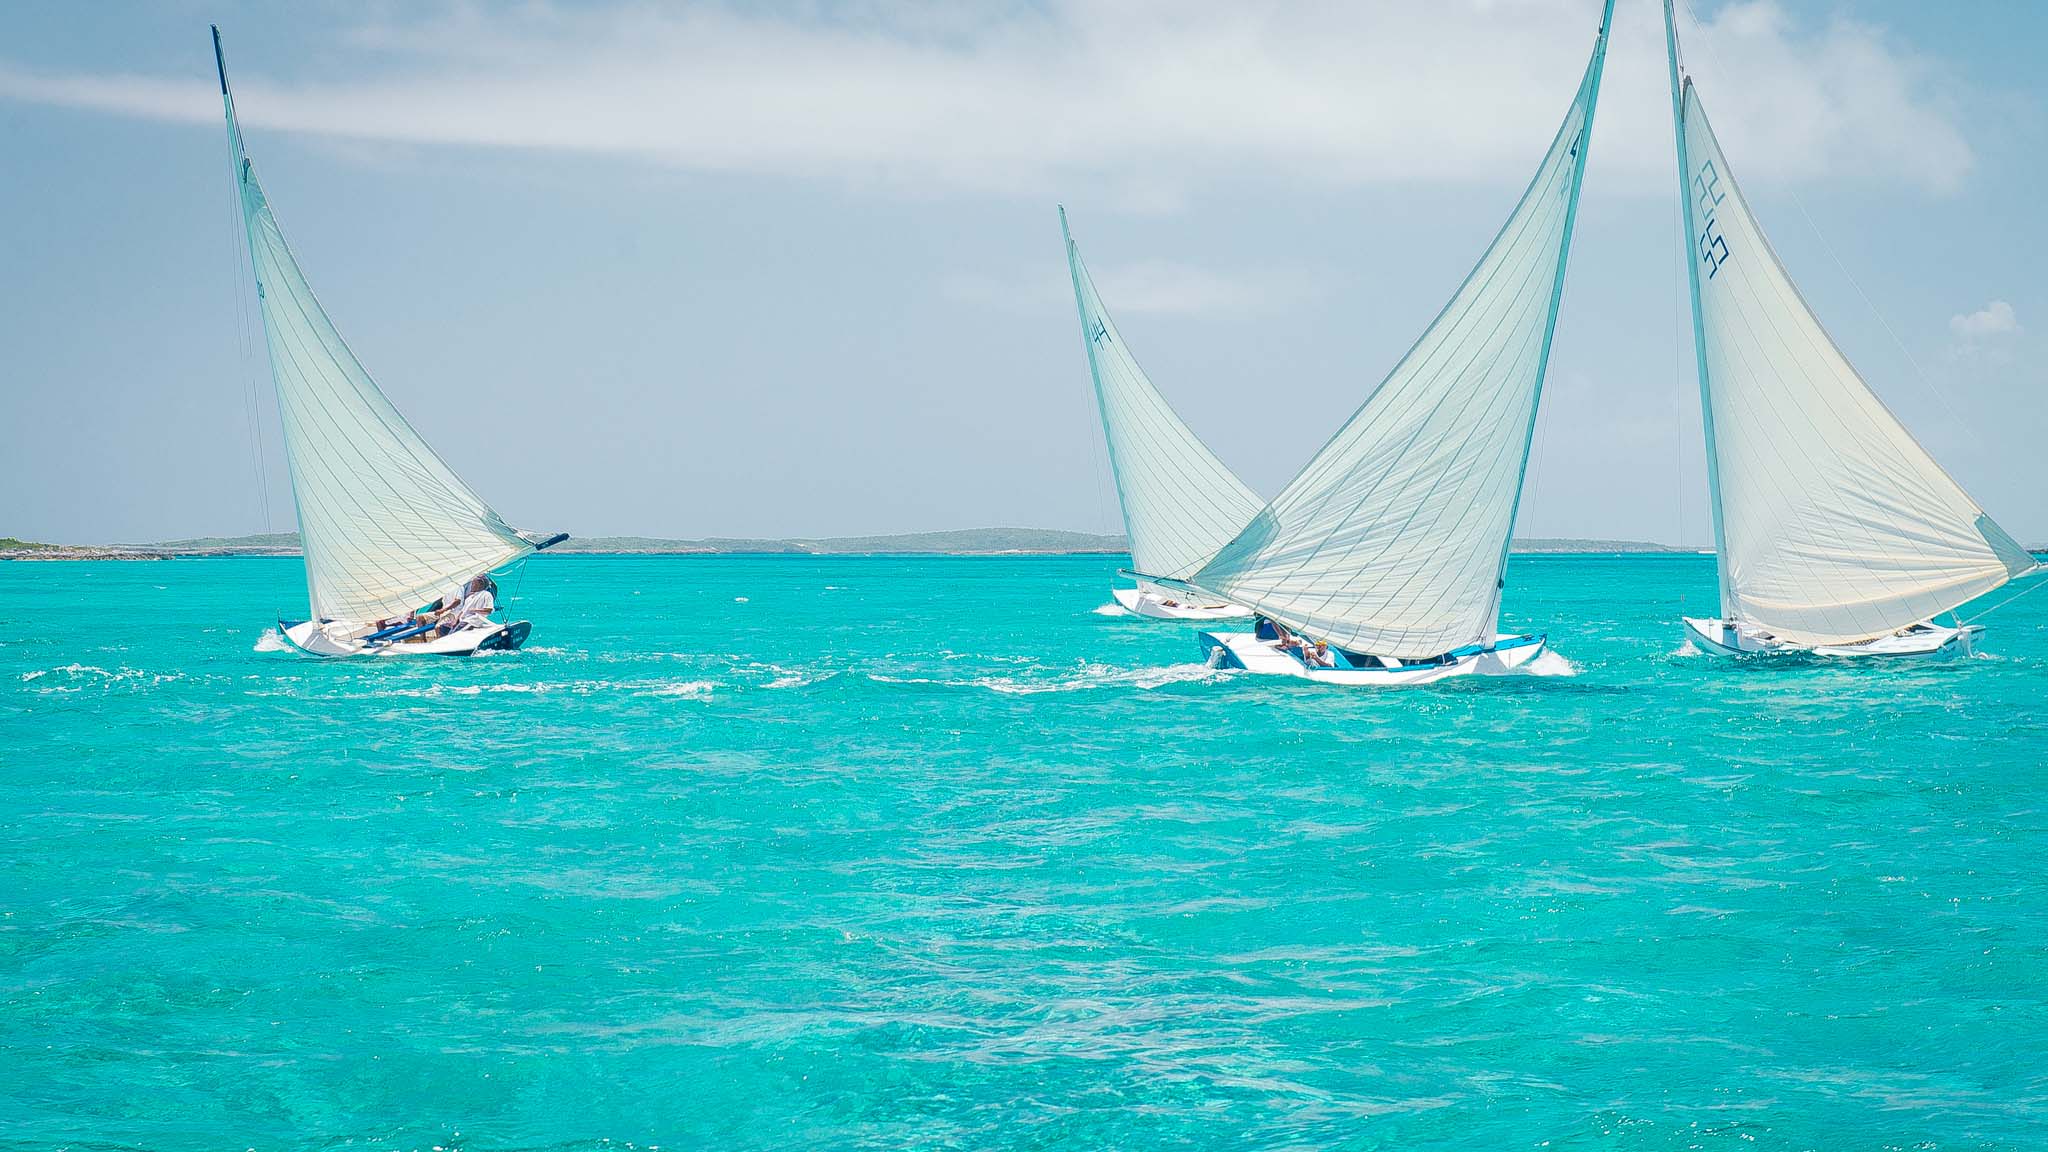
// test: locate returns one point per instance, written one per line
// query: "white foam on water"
(480, 689)
(1550, 663)
(77, 677)
(1110, 609)
(794, 678)
(984, 657)
(692, 689)
(739, 599)
(1086, 677)
(271, 641)
(575, 688)
(1101, 676)
(1686, 649)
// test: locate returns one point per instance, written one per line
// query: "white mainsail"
(385, 524)
(1180, 502)
(1832, 525)
(1393, 540)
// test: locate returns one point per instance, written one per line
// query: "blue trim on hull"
(1212, 645)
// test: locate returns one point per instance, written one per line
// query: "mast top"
(220, 62)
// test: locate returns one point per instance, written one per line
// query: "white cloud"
(1994, 319)
(1142, 98)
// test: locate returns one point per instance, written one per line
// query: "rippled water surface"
(790, 852)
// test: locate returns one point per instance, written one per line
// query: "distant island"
(960, 542)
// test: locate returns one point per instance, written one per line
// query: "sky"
(794, 269)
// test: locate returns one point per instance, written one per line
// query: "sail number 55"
(1713, 247)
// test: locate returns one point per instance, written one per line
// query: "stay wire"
(1799, 202)
(2009, 599)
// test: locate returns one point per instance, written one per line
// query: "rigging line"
(1509, 399)
(1157, 428)
(1438, 350)
(336, 382)
(1867, 406)
(1810, 337)
(1401, 397)
(1509, 320)
(423, 458)
(1101, 452)
(1680, 323)
(1739, 314)
(518, 580)
(1926, 381)
(1356, 427)
(1144, 419)
(244, 346)
(1799, 202)
(2002, 603)
(1535, 457)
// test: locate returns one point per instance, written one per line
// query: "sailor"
(451, 610)
(478, 605)
(433, 610)
(1283, 638)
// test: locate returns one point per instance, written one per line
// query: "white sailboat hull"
(1152, 603)
(341, 638)
(1265, 657)
(1923, 641)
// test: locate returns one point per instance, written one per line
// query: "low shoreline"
(55, 554)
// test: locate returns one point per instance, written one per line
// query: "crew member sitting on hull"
(480, 599)
(426, 613)
(1315, 654)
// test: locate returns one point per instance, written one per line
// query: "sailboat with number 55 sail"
(1835, 533)
(398, 549)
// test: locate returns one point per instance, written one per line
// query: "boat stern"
(506, 639)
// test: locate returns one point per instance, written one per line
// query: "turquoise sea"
(924, 852)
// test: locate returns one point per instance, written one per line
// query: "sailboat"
(1383, 561)
(1180, 502)
(1835, 533)
(387, 527)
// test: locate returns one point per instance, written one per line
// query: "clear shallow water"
(926, 852)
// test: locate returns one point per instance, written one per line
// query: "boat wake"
(1685, 649)
(1111, 609)
(1088, 676)
(688, 689)
(75, 677)
(271, 641)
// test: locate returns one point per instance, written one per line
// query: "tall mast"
(238, 171)
(1571, 216)
(1699, 337)
(227, 99)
